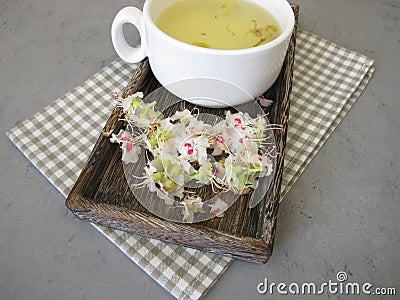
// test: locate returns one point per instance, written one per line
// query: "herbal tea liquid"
(231, 24)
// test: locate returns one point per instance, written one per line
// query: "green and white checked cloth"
(327, 81)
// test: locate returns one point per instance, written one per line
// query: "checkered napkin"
(327, 81)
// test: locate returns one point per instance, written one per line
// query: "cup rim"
(226, 52)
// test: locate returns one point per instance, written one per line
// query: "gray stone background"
(342, 215)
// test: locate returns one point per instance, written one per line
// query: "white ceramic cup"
(253, 70)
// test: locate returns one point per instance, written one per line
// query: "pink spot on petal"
(238, 122)
(219, 138)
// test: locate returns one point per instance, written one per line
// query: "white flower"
(236, 174)
(144, 115)
(196, 126)
(243, 145)
(159, 180)
(239, 121)
(180, 143)
(131, 102)
(264, 102)
(169, 130)
(130, 153)
(264, 162)
(218, 208)
(184, 116)
(220, 137)
(230, 176)
(129, 146)
(243, 137)
(139, 122)
(179, 171)
(205, 173)
(260, 125)
(191, 205)
(138, 95)
(219, 170)
(166, 140)
(194, 149)
(138, 113)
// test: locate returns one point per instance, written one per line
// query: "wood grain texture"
(102, 194)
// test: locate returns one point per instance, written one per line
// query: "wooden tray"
(102, 195)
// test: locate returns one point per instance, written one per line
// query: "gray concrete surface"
(342, 215)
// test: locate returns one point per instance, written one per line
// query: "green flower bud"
(158, 176)
(153, 142)
(166, 163)
(169, 184)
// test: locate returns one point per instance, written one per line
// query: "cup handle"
(133, 16)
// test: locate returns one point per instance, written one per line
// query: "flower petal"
(218, 207)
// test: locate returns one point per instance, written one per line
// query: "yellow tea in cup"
(219, 24)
